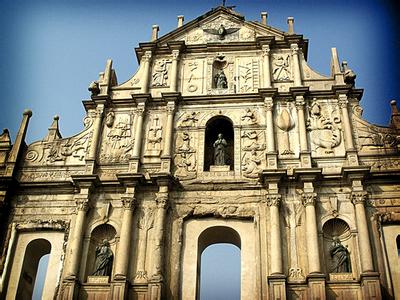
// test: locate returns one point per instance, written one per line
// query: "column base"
(277, 286)
(119, 289)
(69, 289)
(272, 160)
(316, 286)
(370, 284)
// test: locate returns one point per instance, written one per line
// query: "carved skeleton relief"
(325, 127)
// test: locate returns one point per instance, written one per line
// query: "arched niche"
(34, 251)
(102, 232)
(338, 247)
(215, 126)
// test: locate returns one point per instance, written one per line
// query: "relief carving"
(118, 139)
(154, 137)
(220, 29)
(285, 122)
(160, 73)
(249, 117)
(192, 84)
(189, 119)
(253, 144)
(185, 158)
(325, 127)
(251, 164)
(253, 140)
(281, 67)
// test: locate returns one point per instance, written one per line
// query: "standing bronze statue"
(220, 80)
(220, 151)
(104, 259)
(340, 256)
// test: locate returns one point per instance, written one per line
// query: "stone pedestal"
(316, 286)
(277, 287)
(69, 290)
(119, 289)
(370, 286)
(272, 160)
(98, 279)
(155, 291)
(225, 168)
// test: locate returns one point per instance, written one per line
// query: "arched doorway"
(35, 250)
(215, 126)
(199, 234)
(220, 272)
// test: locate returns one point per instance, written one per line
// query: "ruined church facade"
(223, 135)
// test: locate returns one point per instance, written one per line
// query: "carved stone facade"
(307, 189)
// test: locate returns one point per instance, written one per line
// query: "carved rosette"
(128, 202)
(309, 199)
(274, 200)
(359, 197)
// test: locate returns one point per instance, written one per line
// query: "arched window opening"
(40, 277)
(398, 244)
(220, 272)
(35, 251)
(219, 262)
(218, 128)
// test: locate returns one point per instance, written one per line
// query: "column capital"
(128, 202)
(171, 107)
(300, 102)
(265, 50)
(175, 54)
(147, 56)
(269, 103)
(359, 197)
(295, 48)
(162, 200)
(274, 200)
(309, 199)
(82, 203)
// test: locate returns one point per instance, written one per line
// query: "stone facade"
(305, 187)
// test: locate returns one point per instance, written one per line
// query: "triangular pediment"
(220, 25)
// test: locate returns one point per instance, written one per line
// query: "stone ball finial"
(56, 118)
(27, 112)
(393, 102)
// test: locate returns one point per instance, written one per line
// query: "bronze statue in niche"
(104, 259)
(220, 80)
(340, 256)
(220, 150)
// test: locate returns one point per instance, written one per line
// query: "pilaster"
(146, 61)
(171, 99)
(296, 65)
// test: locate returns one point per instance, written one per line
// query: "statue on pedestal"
(220, 151)
(220, 80)
(104, 259)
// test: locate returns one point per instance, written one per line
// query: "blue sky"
(52, 50)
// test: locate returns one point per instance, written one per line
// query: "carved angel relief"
(325, 127)
(253, 146)
(281, 67)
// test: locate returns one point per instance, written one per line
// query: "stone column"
(271, 152)
(96, 132)
(314, 265)
(82, 206)
(266, 66)
(348, 137)
(162, 203)
(296, 65)
(302, 125)
(146, 60)
(123, 250)
(139, 111)
(358, 198)
(169, 129)
(174, 70)
(273, 202)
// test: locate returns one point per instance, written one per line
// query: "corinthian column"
(139, 111)
(271, 152)
(302, 124)
(358, 199)
(273, 201)
(348, 137)
(162, 203)
(296, 64)
(174, 70)
(82, 206)
(146, 59)
(123, 250)
(314, 265)
(266, 66)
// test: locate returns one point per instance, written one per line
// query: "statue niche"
(219, 77)
(219, 144)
